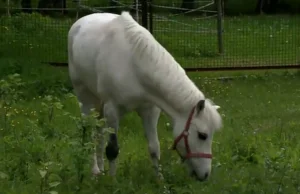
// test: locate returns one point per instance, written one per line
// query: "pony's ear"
(216, 107)
(200, 106)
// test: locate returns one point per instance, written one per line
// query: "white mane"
(158, 67)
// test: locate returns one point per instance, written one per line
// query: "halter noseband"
(184, 134)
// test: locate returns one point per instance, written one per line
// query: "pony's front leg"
(98, 158)
(150, 115)
(98, 163)
(112, 114)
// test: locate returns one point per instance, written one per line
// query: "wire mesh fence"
(259, 40)
(188, 29)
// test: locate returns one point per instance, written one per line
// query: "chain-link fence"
(37, 30)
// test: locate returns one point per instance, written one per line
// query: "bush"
(236, 7)
(294, 5)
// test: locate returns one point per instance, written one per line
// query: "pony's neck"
(172, 90)
(184, 96)
(179, 105)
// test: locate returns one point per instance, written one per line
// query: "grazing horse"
(117, 66)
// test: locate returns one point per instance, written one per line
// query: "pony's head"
(194, 135)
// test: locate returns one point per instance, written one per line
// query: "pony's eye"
(202, 136)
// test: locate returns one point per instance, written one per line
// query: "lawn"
(248, 40)
(257, 150)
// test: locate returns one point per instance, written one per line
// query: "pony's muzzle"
(204, 178)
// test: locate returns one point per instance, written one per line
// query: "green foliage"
(39, 81)
(32, 140)
(47, 145)
(294, 5)
(11, 89)
(258, 40)
(236, 7)
(232, 7)
(25, 35)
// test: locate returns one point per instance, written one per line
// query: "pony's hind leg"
(150, 115)
(89, 101)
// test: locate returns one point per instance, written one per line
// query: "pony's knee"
(112, 148)
(112, 115)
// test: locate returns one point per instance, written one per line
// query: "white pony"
(117, 66)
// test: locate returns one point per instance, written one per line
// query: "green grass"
(235, 7)
(257, 150)
(248, 40)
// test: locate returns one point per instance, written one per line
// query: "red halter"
(184, 134)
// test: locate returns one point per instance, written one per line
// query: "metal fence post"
(150, 16)
(220, 26)
(145, 14)
(137, 11)
(77, 8)
(8, 7)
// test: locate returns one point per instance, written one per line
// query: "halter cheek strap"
(184, 134)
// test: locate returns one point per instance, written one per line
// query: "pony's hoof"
(96, 175)
(160, 176)
(159, 179)
(96, 172)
